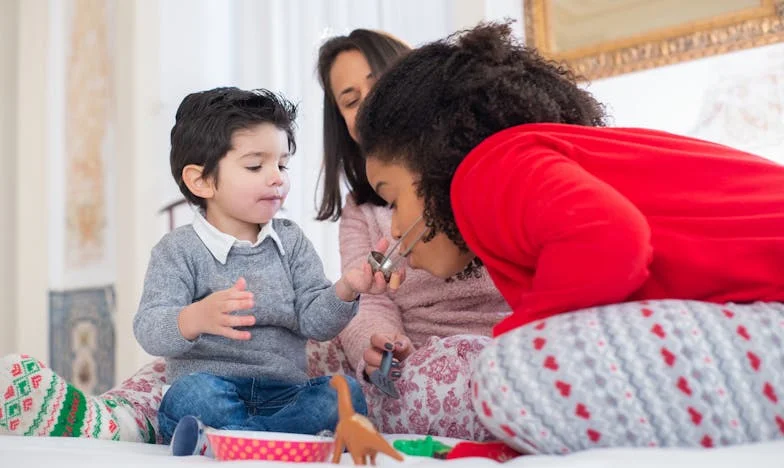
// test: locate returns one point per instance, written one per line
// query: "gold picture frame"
(754, 26)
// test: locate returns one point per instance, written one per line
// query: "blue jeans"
(246, 403)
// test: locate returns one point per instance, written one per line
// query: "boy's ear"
(198, 185)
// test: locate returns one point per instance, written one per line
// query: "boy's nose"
(276, 178)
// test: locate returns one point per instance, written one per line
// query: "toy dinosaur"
(355, 432)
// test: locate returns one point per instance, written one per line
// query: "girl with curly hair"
(434, 330)
(505, 162)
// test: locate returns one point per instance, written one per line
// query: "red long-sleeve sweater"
(568, 217)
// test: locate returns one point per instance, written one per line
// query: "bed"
(71, 453)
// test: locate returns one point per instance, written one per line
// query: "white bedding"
(30, 452)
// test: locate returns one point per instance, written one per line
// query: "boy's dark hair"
(341, 153)
(206, 121)
(436, 104)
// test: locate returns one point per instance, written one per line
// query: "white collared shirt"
(219, 243)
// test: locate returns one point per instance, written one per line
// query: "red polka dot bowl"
(269, 446)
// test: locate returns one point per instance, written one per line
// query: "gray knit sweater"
(294, 301)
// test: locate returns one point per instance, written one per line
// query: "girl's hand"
(400, 346)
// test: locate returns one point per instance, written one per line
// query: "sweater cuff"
(326, 318)
(170, 332)
(341, 309)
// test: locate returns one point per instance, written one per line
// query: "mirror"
(601, 38)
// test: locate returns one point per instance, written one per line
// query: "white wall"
(137, 72)
(8, 90)
(735, 99)
(32, 145)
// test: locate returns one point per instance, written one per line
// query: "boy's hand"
(361, 280)
(213, 314)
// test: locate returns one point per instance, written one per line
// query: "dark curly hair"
(342, 157)
(443, 99)
(206, 121)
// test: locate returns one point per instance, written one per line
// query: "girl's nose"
(394, 228)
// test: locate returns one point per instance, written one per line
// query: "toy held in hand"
(380, 377)
(380, 262)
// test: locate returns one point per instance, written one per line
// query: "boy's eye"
(253, 168)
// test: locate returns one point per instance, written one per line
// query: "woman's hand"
(400, 346)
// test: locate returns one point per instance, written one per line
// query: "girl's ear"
(198, 185)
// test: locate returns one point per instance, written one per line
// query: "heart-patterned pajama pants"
(658, 373)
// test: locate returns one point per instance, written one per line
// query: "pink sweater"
(424, 306)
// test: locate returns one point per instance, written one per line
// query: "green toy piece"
(427, 447)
